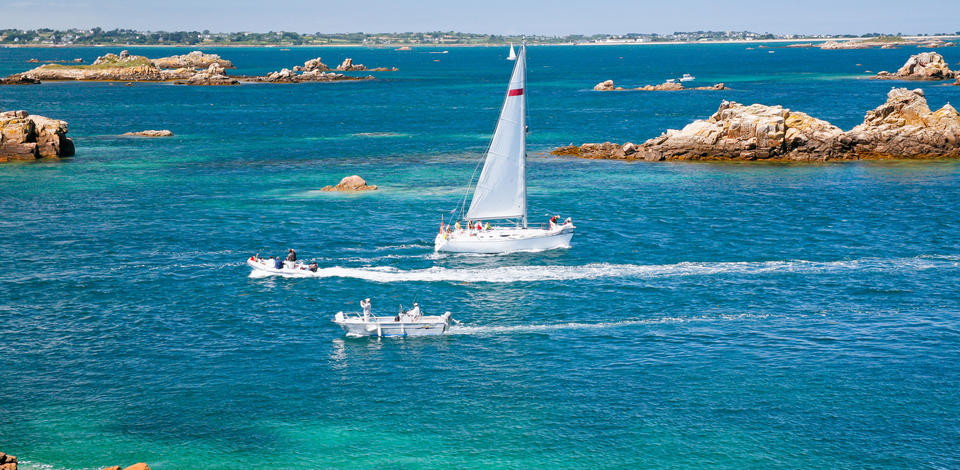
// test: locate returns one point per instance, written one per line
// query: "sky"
(558, 17)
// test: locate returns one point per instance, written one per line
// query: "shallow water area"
(721, 315)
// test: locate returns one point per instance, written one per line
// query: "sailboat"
(513, 54)
(501, 191)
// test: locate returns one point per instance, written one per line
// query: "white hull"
(267, 266)
(504, 240)
(386, 326)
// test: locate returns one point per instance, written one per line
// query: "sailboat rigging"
(501, 190)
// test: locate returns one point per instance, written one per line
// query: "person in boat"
(291, 255)
(479, 226)
(414, 313)
(457, 225)
(277, 262)
(365, 305)
(487, 227)
(314, 266)
(553, 222)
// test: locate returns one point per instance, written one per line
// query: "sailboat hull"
(509, 240)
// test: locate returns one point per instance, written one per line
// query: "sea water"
(707, 315)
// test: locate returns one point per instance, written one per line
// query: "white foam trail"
(533, 273)
(509, 329)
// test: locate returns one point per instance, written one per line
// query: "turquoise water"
(708, 315)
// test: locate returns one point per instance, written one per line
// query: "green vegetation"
(98, 36)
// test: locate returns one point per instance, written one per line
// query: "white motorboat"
(501, 190)
(410, 323)
(513, 54)
(281, 267)
(687, 78)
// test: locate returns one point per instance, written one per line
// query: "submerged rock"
(194, 60)
(25, 137)
(903, 127)
(150, 133)
(923, 66)
(351, 183)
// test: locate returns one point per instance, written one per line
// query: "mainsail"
(501, 191)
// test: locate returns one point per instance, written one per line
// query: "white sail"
(501, 191)
(513, 55)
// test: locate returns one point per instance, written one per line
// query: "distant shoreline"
(435, 46)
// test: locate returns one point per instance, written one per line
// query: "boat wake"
(533, 273)
(519, 329)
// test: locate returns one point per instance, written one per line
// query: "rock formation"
(348, 66)
(311, 65)
(383, 69)
(150, 133)
(213, 75)
(350, 183)
(122, 67)
(18, 79)
(665, 86)
(606, 85)
(289, 76)
(7, 462)
(923, 66)
(136, 466)
(193, 60)
(903, 127)
(26, 137)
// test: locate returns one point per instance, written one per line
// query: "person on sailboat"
(457, 226)
(365, 305)
(479, 226)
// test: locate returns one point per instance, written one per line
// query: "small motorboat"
(406, 323)
(687, 78)
(282, 267)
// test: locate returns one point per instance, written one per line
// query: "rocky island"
(608, 85)
(903, 127)
(351, 183)
(195, 68)
(923, 66)
(24, 137)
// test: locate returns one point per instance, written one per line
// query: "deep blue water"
(707, 315)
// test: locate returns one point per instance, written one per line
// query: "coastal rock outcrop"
(922, 66)
(348, 66)
(212, 75)
(903, 127)
(150, 133)
(608, 85)
(25, 137)
(289, 76)
(193, 60)
(109, 67)
(7, 462)
(351, 183)
(311, 65)
(18, 79)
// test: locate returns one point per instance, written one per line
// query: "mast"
(500, 192)
(523, 133)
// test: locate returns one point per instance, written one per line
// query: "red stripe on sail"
(515, 92)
